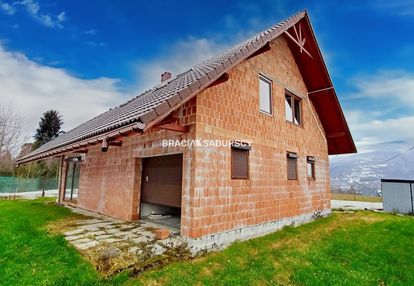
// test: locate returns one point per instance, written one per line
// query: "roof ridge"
(154, 102)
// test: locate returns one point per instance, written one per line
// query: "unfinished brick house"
(272, 93)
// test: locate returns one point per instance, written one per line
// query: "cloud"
(380, 114)
(187, 52)
(90, 32)
(389, 85)
(393, 134)
(96, 44)
(178, 58)
(399, 7)
(32, 88)
(7, 8)
(33, 8)
(61, 17)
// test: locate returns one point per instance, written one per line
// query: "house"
(270, 103)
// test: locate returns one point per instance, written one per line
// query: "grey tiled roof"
(159, 100)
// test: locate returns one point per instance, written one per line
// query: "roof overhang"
(305, 49)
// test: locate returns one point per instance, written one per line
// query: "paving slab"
(87, 245)
(104, 236)
(89, 221)
(111, 240)
(96, 233)
(80, 241)
(108, 226)
(73, 232)
(147, 233)
(131, 235)
(74, 237)
(92, 227)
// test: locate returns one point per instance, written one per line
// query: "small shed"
(397, 195)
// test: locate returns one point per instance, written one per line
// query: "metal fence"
(397, 195)
(15, 184)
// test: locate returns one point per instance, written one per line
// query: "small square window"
(240, 161)
(293, 108)
(265, 95)
(292, 169)
(310, 167)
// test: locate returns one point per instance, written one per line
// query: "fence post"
(412, 203)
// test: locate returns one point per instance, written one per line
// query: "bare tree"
(10, 130)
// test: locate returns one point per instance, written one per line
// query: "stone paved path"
(101, 230)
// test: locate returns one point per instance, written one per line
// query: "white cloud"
(177, 59)
(96, 44)
(90, 32)
(399, 7)
(395, 86)
(33, 8)
(32, 88)
(384, 121)
(61, 17)
(382, 134)
(7, 8)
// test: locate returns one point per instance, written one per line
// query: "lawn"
(362, 248)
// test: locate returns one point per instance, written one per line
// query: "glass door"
(72, 180)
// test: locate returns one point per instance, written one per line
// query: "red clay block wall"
(231, 111)
(110, 183)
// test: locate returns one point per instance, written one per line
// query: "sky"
(84, 57)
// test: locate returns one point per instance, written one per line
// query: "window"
(240, 161)
(292, 170)
(310, 167)
(265, 95)
(293, 109)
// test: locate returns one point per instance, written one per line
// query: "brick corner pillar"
(136, 191)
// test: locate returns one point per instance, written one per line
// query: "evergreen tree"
(49, 128)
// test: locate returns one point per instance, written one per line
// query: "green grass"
(31, 256)
(352, 197)
(362, 248)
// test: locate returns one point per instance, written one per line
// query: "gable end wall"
(230, 111)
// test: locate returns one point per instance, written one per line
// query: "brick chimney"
(165, 76)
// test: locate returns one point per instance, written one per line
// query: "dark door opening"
(161, 190)
(72, 180)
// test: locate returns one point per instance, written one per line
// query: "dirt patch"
(142, 258)
(66, 224)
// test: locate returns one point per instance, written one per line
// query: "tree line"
(11, 139)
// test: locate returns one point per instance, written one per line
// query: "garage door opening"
(161, 190)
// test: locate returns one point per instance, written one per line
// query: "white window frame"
(270, 83)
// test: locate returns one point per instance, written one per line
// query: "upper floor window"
(293, 108)
(265, 95)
